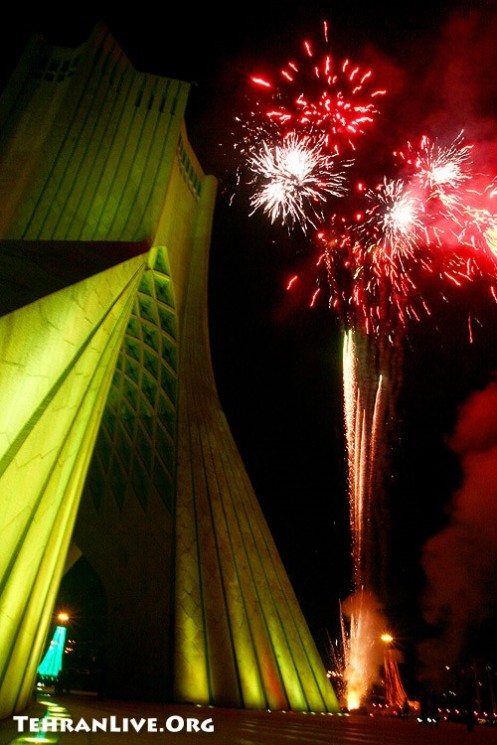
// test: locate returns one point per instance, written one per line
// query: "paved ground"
(230, 727)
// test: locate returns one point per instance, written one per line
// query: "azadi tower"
(113, 442)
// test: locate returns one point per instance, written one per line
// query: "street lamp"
(395, 694)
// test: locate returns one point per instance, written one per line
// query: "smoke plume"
(460, 562)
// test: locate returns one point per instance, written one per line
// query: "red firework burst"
(409, 238)
(320, 93)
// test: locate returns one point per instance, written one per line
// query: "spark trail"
(363, 653)
(371, 376)
(399, 247)
(369, 410)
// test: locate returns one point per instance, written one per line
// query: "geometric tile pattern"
(136, 448)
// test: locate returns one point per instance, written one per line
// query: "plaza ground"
(234, 726)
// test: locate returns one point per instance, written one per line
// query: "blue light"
(51, 665)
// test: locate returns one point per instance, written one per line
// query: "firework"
(413, 236)
(293, 178)
(296, 126)
(458, 199)
(358, 653)
(317, 92)
(439, 167)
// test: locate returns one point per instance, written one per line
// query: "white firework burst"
(293, 178)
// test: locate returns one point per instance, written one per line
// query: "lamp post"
(395, 694)
(51, 664)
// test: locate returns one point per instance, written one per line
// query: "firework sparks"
(293, 131)
(317, 92)
(293, 179)
(429, 228)
(394, 217)
(357, 655)
(439, 166)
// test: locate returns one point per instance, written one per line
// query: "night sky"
(278, 362)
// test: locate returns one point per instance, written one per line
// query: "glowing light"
(51, 665)
(63, 617)
(260, 81)
(394, 215)
(387, 638)
(437, 165)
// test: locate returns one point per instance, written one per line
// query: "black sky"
(278, 364)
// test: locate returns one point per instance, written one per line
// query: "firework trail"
(414, 235)
(399, 247)
(370, 377)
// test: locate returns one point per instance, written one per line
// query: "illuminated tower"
(112, 435)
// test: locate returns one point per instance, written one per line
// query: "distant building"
(113, 442)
